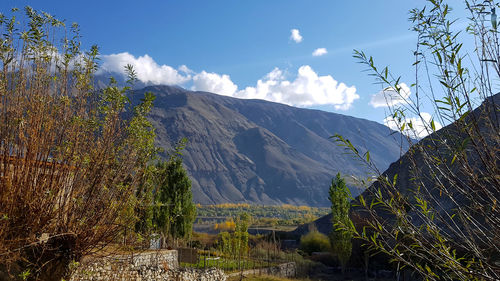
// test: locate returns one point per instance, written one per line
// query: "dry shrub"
(70, 156)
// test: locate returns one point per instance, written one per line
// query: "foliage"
(314, 241)
(263, 215)
(235, 244)
(445, 224)
(340, 239)
(228, 225)
(144, 212)
(174, 211)
(261, 254)
(71, 157)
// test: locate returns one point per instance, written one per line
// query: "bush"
(314, 241)
(71, 156)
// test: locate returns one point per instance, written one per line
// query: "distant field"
(222, 216)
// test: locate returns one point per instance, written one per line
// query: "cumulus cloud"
(421, 125)
(185, 69)
(148, 71)
(319, 52)
(390, 97)
(295, 35)
(214, 83)
(307, 89)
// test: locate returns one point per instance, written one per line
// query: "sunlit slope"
(261, 152)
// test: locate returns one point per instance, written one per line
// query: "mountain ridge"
(489, 106)
(261, 152)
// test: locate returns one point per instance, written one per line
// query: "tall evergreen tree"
(175, 211)
(340, 239)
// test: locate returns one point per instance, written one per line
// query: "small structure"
(155, 242)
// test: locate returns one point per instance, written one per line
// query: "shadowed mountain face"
(261, 152)
(488, 116)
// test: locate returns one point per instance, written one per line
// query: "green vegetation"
(144, 209)
(438, 214)
(81, 151)
(235, 244)
(85, 154)
(79, 169)
(340, 238)
(228, 263)
(283, 215)
(237, 250)
(174, 211)
(314, 241)
(260, 255)
(166, 199)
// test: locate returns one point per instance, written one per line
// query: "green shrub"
(314, 241)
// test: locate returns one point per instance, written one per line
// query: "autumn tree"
(71, 156)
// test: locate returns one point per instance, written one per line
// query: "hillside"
(261, 152)
(405, 179)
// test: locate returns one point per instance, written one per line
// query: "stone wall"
(157, 265)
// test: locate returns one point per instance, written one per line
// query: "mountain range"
(261, 152)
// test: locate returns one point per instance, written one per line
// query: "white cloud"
(295, 35)
(214, 83)
(319, 52)
(390, 97)
(185, 69)
(307, 89)
(421, 125)
(148, 71)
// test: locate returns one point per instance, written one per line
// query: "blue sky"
(228, 46)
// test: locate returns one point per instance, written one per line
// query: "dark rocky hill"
(488, 118)
(261, 152)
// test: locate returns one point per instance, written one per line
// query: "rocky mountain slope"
(489, 110)
(262, 152)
